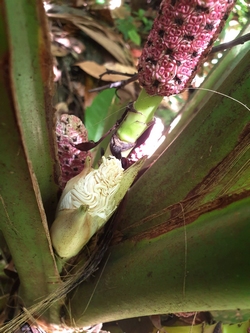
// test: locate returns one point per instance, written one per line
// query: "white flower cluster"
(96, 190)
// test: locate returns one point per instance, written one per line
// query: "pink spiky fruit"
(70, 131)
(182, 36)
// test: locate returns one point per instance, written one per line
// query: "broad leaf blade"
(95, 115)
(26, 181)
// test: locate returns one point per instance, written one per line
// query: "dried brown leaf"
(99, 33)
(95, 70)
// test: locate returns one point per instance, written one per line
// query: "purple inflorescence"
(70, 131)
(181, 37)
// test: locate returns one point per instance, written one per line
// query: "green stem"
(137, 121)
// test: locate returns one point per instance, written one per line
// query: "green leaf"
(96, 113)
(160, 275)
(27, 163)
(125, 25)
(135, 38)
(141, 13)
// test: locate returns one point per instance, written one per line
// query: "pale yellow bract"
(96, 190)
(87, 203)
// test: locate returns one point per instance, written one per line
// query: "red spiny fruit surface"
(70, 130)
(181, 38)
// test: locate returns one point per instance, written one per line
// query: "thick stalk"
(201, 266)
(25, 152)
(31, 79)
(138, 118)
(137, 122)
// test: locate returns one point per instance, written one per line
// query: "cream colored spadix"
(87, 202)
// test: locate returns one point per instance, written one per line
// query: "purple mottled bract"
(70, 131)
(182, 36)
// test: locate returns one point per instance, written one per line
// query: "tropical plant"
(182, 232)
